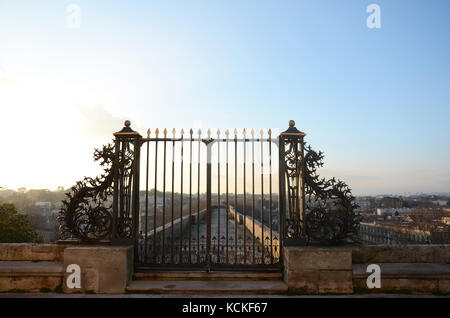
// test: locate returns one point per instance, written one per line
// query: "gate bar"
(218, 196)
(146, 202)
(208, 203)
(270, 198)
(198, 197)
(164, 201)
(262, 198)
(155, 197)
(253, 196)
(227, 132)
(245, 203)
(181, 199)
(190, 196)
(235, 196)
(172, 197)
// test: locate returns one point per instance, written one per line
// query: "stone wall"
(259, 230)
(42, 267)
(404, 268)
(309, 270)
(318, 270)
(104, 269)
(31, 267)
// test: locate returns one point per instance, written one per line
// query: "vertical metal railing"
(208, 201)
(219, 205)
(244, 208)
(163, 237)
(253, 196)
(181, 197)
(190, 197)
(199, 230)
(155, 197)
(235, 198)
(262, 198)
(227, 195)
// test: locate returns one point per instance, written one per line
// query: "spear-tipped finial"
(235, 132)
(173, 132)
(244, 132)
(157, 132)
(270, 132)
(218, 132)
(227, 132)
(191, 132)
(199, 132)
(165, 132)
(182, 131)
(261, 132)
(209, 133)
(252, 132)
(148, 133)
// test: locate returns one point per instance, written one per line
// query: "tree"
(14, 226)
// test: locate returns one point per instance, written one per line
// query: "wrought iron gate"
(209, 203)
(198, 209)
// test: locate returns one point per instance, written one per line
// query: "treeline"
(25, 198)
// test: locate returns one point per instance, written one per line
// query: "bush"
(14, 226)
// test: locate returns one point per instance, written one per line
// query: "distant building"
(390, 202)
(43, 204)
(393, 211)
(439, 202)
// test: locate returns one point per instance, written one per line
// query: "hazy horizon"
(54, 189)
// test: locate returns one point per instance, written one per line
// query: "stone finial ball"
(127, 123)
(291, 123)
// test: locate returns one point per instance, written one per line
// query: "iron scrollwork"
(330, 216)
(124, 219)
(86, 215)
(319, 211)
(292, 162)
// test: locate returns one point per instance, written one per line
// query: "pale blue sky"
(376, 101)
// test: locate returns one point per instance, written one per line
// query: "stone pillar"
(318, 270)
(104, 269)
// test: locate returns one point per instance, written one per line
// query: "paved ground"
(235, 237)
(227, 244)
(225, 232)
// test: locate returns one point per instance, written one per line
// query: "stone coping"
(406, 270)
(18, 268)
(100, 248)
(31, 252)
(414, 253)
